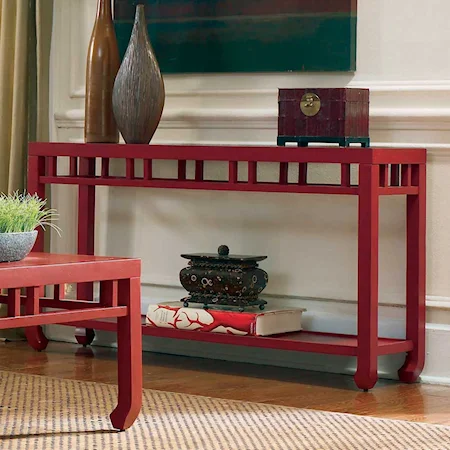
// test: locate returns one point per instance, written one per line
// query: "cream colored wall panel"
(438, 254)
(403, 40)
(82, 17)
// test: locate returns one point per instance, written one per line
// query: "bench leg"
(129, 343)
(35, 336)
(84, 336)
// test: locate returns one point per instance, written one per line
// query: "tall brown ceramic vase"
(138, 97)
(103, 63)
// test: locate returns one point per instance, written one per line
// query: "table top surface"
(328, 154)
(35, 260)
(39, 269)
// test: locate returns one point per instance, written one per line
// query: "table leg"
(367, 354)
(35, 336)
(129, 342)
(36, 168)
(415, 277)
(84, 336)
(14, 302)
(86, 232)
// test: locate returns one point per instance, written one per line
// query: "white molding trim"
(412, 119)
(402, 86)
(424, 86)
(428, 379)
(438, 327)
(394, 106)
(77, 89)
(73, 119)
(438, 302)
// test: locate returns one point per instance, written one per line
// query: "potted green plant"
(20, 215)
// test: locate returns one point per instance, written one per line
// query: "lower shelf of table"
(304, 341)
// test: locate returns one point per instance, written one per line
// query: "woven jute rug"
(53, 414)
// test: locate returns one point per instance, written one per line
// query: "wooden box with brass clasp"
(339, 115)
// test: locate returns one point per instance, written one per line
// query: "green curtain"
(25, 37)
(25, 42)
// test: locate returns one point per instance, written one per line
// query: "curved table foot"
(123, 418)
(129, 353)
(84, 336)
(366, 380)
(411, 370)
(36, 338)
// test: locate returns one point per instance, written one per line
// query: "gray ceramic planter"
(15, 246)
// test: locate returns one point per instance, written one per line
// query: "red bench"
(119, 298)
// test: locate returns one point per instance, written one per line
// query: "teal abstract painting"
(223, 36)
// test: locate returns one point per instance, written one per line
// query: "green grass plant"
(25, 212)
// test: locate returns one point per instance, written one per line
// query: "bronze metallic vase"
(102, 65)
(138, 95)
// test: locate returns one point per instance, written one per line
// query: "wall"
(310, 240)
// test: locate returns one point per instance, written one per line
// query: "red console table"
(119, 298)
(382, 171)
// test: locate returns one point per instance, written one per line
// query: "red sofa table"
(119, 298)
(381, 171)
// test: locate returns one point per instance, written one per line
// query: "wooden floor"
(301, 389)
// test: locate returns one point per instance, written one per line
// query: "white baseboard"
(444, 381)
(437, 362)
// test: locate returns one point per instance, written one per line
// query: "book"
(251, 322)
